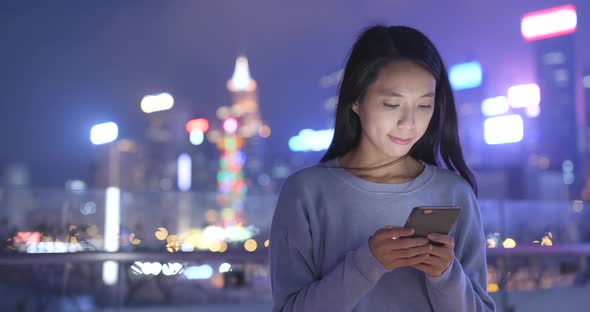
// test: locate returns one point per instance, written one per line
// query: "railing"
(548, 252)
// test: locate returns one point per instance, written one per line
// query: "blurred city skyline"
(68, 66)
(107, 202)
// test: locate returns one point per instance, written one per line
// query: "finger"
(411, 252)
(446, 240)
(409, 261)
(436, 262)
(405, 243)
(389, 233)
(442, 252)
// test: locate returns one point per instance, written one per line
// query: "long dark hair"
(375, 47)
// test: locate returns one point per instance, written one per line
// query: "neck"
(374, 165)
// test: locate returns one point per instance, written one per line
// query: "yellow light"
(228, 213)
(223, 112)
(250, 245)
(211, 216)
(237, 110)
(246, 131)
(509, 243)
(193, 237)
(92, 230)
(264, 131)
(161, 233)
(173, 243)
(546, 241)
(215, 246)
(223, 247)
(214, 136)
(491, 243)
(172, 239)
(202, 243)
(266, 243)
(133, 239)
(493, 287)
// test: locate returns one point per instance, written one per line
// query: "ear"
(355, 107)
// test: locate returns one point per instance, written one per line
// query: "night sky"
(67, 65)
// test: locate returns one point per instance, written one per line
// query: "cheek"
(371, 119)
(378, 123)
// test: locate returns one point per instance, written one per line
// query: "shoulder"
(452, 182)
(318, 173)
(304, 176)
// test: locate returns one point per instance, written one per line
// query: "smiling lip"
(400, 141)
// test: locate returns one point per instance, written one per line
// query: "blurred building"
(165, 140)
(585, 189)
(120, 163)
(543, 160)
(151, 163)
(16, 176)
(468, 82)
(555, 59)
(15, 195)
(557, 120)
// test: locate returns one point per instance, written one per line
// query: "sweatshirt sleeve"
(463, 286)
(296, 280)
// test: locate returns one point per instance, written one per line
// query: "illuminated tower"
(242, 131)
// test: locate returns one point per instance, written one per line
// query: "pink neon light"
(548, 23)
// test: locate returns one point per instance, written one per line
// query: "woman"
(337, 240)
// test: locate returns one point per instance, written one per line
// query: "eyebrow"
(393, 93)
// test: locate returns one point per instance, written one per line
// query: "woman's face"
(397, 109)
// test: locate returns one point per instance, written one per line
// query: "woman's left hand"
(440, 257)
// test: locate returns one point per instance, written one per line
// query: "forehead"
(404, 77)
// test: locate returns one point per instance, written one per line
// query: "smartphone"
(426, 220)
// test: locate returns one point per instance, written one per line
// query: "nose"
(407, 119)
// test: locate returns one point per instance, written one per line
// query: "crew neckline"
(334, 167)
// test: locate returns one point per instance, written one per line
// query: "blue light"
(240, 158)
(295, 145)
(466, 75)
(204, 271)
(196, 137)
(311, 140)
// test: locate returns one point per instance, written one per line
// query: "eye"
(390, 106)
(425, 106)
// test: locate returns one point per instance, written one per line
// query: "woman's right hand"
(390, 247)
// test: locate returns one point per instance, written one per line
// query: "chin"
(396, 153)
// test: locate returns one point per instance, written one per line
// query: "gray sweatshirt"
(319, 253)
